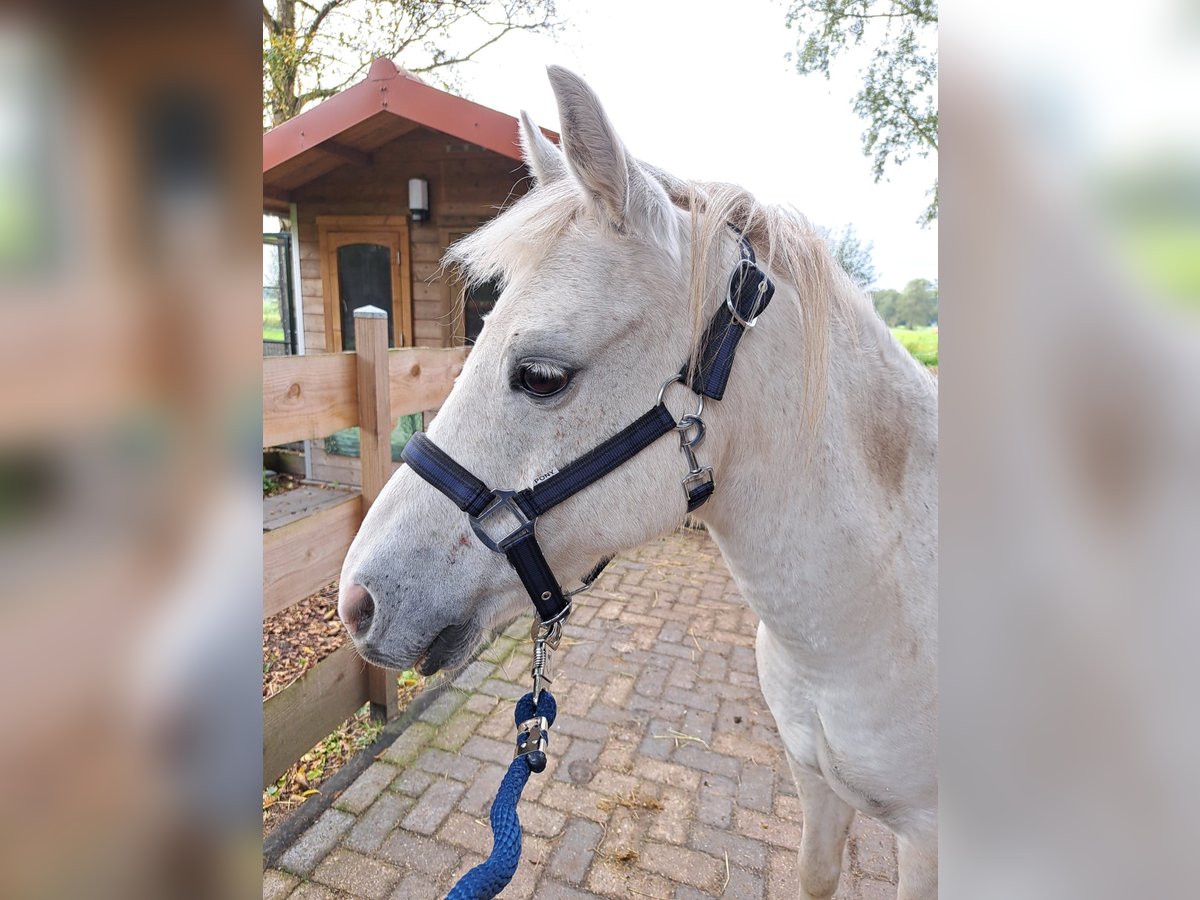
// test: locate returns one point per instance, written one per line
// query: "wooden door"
(365, 265)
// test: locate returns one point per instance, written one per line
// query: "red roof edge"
(390, 89)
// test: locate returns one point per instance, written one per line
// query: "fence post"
(375, 454)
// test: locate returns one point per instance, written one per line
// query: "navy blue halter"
(505, 520)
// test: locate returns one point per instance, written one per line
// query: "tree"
(897, 98)
(885, 304)
(852, 254)
(914, 307)
(313, 50)
(918, 304)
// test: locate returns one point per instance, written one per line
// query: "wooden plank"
(308, 709)
(303, 557)
(421, 377)
(298, 503)
(308, 396)
(347, 153)
(374, 401)
(375, 454)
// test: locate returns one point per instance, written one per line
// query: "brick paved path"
(666, 776)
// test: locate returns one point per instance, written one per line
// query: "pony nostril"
(356, 609)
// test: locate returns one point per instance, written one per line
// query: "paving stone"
(454, 733)
(467, 832)
(688, 698)
(312, 891)
(542, 820)
(411, 741)
(447, 765)
(783, 880)
(359, 875)
(574, 800)
(443, 707)
(277, 885)
(707, 761)
(417, 853)
(669, 774)
(658, 744)
(474, 675)
(744, 885)
(505, 690)
(871, 889)
(321, 837)
(717, 842)
(433, 807)
(373, 827)
(714, 808)
(585, 752)
(874, 848)
(412, 782)
(478, 797)
(556, 890)
(574, 850)
(623, 881)
(417, 887)
(671, 823)
(761, 827)
(366, 787)
(481, 704)
(786, 806)
(683, 865)
(756, 788)
(489, 750)
(581, 728)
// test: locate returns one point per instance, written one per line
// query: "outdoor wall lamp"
(418, 199)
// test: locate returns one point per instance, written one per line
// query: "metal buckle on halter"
(744, 269)
(702, 475)
(697, 474)
(505, 502)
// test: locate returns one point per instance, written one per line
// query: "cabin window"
(478, 301)
(364, 274)
(279, 333)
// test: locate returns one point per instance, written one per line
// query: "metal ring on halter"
(689, 422)
(663, 390)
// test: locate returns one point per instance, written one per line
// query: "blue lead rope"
(492, 875)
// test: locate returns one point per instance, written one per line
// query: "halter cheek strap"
(506, 521)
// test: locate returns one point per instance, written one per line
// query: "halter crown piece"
(505, 521)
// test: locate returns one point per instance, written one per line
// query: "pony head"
(594, 314)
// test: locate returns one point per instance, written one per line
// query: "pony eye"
(539, 379)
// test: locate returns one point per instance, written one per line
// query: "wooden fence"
(309, 397)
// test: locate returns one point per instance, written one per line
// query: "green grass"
(920, 342)
(272, 324)
(1167, 254)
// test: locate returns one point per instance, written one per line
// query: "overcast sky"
(711, 96)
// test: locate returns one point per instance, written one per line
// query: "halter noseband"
(505, 521)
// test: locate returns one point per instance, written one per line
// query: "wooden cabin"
(340, 174)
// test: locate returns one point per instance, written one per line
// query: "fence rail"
(307, 397)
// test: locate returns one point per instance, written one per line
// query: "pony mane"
(515, 242)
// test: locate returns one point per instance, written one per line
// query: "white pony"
(824, 450)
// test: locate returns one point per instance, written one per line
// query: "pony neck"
(816, 524)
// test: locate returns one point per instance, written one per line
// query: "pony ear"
(597, 157)
(544, 160)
